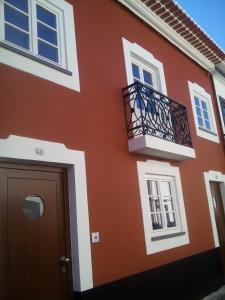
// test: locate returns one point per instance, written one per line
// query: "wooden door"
(219, 216)
(33, 235)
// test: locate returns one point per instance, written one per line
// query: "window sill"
(208, 131)
(167, 236)
(35, 58)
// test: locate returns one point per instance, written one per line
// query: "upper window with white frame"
(203, 113)
(36, 30)
(162, 203)
(142, 66)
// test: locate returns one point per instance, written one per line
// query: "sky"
(209, 15)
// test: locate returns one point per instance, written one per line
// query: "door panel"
(34, 244)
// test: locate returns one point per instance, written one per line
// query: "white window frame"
(135, 53)
(142, 67)
(66, 71)
(163, 240)
(219, 83)
(199, 92)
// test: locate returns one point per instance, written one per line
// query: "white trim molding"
(217, 177)
(169, 241)
(198, 91)
(133, 51)
(27, 150)
(219, 84)
(140, 9)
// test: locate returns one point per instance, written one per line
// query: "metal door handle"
(64, 260)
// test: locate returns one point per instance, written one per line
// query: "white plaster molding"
(218, 177)
(197, 90)
(27, 150)
(152, 167)
(133, 50)
(140, 9)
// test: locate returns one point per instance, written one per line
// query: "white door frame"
(217, 177)
(27, 150)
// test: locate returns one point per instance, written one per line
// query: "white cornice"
(140, 9)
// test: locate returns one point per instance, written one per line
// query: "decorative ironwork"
(149, 112)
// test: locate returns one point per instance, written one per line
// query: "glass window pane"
(207, 125)
(48, 51)
(157, 221)
(147, 77)
(152, 187)
(33, 207)
(196, 101)
(200, 122)
(16, 37)
(205, 114)
(165, 188)
(198, 111)
(16, 18)
(204, 105)
(135, 70)
(170, 219)
(21, 4)
(47, 34)
(168, 204)
(155, 204)
(46, 16)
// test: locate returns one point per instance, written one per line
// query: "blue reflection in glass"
(46, 16)
(200, 122)
(205, 113)
(16, 18)
(135, 71)
(196, 101)
(16, 37)
(204, 105)
(48, 51)
(21, 4)
(147, 77)
(47, 34)
(207, 125)
(198, 110)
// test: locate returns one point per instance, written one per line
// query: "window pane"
(152, 187)
(200, 122)
(16, 37)
(207, 125)
(16, 18)
(135, 70)
(48, 51)
(21, 4)
(204, 105)
(170, 219)
(46, 16)
(155, 204)
(165, 188)
(196, 101)
(198, 111)
(47, 34)
(157, 221)
(168, 204)
(147, 77)
(205, 114)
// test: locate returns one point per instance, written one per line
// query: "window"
(142, 66)
(162, 202)
(35, 32)
(222, 105)
(203, 113)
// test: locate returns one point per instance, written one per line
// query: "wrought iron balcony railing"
(149, 112)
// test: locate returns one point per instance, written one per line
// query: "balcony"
(156, 125)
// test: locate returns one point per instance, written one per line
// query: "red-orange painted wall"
(93, 121)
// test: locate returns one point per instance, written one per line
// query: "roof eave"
(140, 9)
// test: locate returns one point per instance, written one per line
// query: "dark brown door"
(219, 216)
(33, 235)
